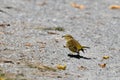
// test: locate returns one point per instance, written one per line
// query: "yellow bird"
(73, 45)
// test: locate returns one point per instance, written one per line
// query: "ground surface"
(29, 40)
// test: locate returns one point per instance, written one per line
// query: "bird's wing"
(79, 47)
(71, 44)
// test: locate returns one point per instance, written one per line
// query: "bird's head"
(67, 37)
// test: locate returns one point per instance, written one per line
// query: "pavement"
(31, 43)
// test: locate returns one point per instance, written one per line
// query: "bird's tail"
(85, 47)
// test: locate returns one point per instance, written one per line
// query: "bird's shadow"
(78, 57)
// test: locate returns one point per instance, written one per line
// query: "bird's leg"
(82, 50)
(78, 53)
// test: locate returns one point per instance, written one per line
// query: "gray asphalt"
(34, 22)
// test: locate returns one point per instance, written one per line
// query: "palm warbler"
(73, 45)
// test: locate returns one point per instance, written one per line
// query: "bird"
(73, 45)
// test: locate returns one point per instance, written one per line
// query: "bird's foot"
(70, 54)
(64, 46)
